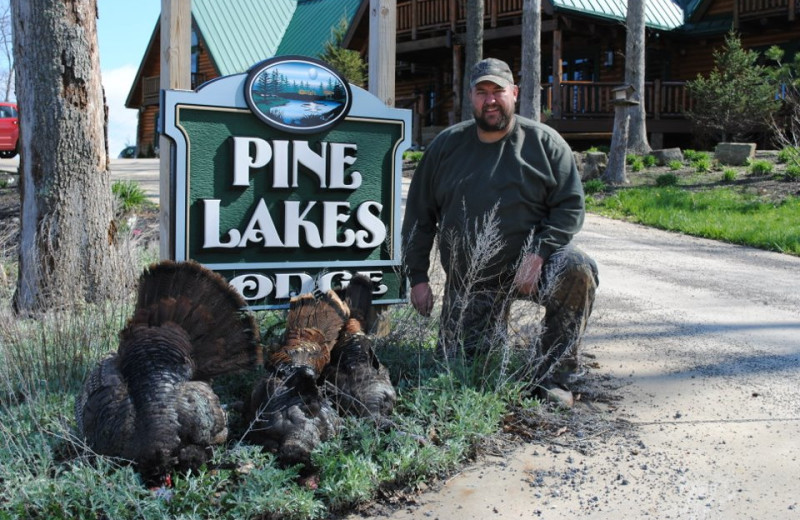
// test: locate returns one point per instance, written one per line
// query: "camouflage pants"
(475, 317)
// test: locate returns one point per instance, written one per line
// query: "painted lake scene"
(298, 95)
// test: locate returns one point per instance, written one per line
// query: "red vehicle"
(9, 130)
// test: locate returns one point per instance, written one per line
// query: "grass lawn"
(720, 213)
(698, 197)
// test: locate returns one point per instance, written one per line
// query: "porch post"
(657, 101)
(453, 16)
(457, 73)
(792, 9)
(419, 108)
(557, 72)
(414, 19)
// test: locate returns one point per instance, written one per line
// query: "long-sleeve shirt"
(530, 177)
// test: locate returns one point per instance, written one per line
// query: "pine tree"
(736, 99)
(349, 63)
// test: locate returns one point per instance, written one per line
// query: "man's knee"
(572, 278)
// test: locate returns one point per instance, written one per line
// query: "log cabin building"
(582, 47)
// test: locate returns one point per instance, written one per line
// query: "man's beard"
(502, 121)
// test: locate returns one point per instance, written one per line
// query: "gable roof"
(311, 25)
(659, 14)
(241, 33)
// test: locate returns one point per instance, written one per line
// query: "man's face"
(493, 105)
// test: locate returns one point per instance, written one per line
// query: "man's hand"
(526, 279)
(422, 298)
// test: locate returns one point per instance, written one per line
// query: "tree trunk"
(7, 49)
(530, 102)
(473, 45)
(615, 169)
(67, 251)
(634, 76)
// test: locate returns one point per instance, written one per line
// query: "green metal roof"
(240, 34)
(311, 25)
(659, 14)
(713, 26)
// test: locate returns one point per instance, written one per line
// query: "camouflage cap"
(494, 70)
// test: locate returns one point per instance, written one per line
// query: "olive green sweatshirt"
(529, 176)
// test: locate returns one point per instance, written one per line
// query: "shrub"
(761, 167)
(789, 154)
(792, 173)
(666, 179)
(649, 161)
(690, 155)
(728, 174)
(702, 164)
(630, 158)
(129, 194)
(593, 186)
(675, 165)
(637, 165)
(414, 156)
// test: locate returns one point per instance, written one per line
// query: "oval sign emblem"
(297, 94)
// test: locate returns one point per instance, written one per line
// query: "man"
(501, 191)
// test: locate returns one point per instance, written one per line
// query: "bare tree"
(68, 247)
(6, 52)
(474, 51)
(634, 76)
(530, 102)
(615, 172)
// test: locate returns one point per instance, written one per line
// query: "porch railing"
(751, 8)
(586, 99)
(151, 86)
(432, 15)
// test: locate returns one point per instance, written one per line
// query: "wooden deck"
(588, 99)
(418, 17)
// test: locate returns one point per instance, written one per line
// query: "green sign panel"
(287, 180)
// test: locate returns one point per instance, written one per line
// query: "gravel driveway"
(701, 341)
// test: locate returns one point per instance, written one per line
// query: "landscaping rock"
(578, 156)
(594, 163)
(735, 154)
(666, 155)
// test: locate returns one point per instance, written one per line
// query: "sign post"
(288, 180)
(176, 22)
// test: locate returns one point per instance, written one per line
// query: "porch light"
(623, 95)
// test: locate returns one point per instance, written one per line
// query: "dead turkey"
(355, 379)
(288, 413)
(150, 402)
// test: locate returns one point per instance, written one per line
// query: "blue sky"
(123, 31)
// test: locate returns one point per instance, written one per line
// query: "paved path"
(143, 171)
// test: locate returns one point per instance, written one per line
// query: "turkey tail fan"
(322, 311)
(358, 296)
(302, 347)
(224, 338)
